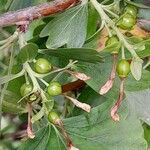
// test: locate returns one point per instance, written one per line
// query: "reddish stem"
(35, 12)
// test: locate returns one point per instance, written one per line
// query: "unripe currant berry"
(126, 22)
(123, 68)
(42, 66)
(54, 88)
(111, 41)
(132, 10)
(53, 117)
(25, 89)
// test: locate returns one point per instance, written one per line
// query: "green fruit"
(123, 68)
(42, 66)
(127, 22)
(25, 89)
(54, 89)
(132, 10)
(111, 41)
(53, 117)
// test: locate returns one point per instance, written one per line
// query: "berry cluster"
(125, 22)
(128, 19)
(42, 66)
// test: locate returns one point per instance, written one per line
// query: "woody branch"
(35, 12)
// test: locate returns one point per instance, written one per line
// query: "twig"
(35, 12)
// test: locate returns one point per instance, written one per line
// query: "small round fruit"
(111, 41)
(25, 89)
(132, 10)
(54, 89)
(53, 117)
(123, 68)
(127, 22)
(42, 66)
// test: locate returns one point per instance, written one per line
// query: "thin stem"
(28, 69)
(108, 30)
(8, 42)
(3, 42)
(130, 48)
(110, 12)
(5, 33)
(122, 52)
(26, 78)
(43, 81)
(54, 71)
(60, 70)
(105, 1)
(10, 77)
(57, 76)
(36, 86)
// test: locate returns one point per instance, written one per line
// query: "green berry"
(123, 68)
(53, 117)
(127, 22)
(111, 41)
(54, 89)
(25, 89)
(42, 66)
(132, 10)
